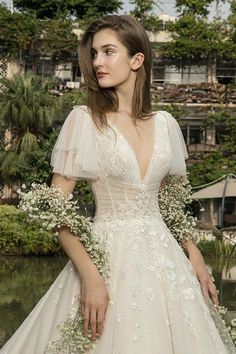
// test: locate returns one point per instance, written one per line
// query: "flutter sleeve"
(75, 153)
(178, 148)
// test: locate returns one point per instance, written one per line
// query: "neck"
(125, 96)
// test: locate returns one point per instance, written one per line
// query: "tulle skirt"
(155, 305)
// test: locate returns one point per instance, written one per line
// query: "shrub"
(19, 237)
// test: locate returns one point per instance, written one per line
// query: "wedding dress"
(156, 305)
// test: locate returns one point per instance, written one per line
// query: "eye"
(109, 51)
(93, 54)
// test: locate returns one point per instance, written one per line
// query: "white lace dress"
(156, 305)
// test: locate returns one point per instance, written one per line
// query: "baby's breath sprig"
(229, 324)
(174, 198)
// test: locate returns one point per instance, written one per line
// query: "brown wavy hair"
(105, 100)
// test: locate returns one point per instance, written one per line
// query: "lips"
(101, 74)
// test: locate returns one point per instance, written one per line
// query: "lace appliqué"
(112, 156)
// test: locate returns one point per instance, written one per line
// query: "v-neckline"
(141, 179)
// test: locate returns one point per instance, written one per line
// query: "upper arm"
(177, 146)
(67, 185)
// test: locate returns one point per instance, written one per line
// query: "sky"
(167, 7)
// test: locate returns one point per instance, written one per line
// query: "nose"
(98, 61)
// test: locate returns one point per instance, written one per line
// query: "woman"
(156, 299)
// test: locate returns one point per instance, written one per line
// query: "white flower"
(233, 322)
(173, 199)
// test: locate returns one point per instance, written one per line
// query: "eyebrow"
(105, 46)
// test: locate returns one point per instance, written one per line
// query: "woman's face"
(111, 61)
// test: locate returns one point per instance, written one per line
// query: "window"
(226, 71)
(158, 71)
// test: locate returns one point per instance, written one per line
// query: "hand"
(93, 301)
(201, 272)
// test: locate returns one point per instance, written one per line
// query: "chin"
(105, 85)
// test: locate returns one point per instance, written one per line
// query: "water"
(23, 281)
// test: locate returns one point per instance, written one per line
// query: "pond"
(23, 281)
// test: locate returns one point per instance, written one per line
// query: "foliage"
(26, 38)
(193, 7)
(225, 121)
(176, 110)
(79, 8)
(58, 40)
(143, 11)
(221, 162)
(20, 238)
(211, 167)
(38, 162)
(218, 249)
(196, 40)
(19, 32)
(232, 21)
(74, 98)
(28, 111)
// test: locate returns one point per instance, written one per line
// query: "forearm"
(75, 250)
(190, 247)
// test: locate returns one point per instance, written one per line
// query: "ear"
(137, 61)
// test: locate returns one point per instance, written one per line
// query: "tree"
(19, 32)
(197, 41)
(193, 7)
(222, 161)
(28, 112)
(82, 9)
(58, 41)
(25, 38)
(232, 22)
(143, 11)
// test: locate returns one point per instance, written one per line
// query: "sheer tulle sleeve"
(75, 154)
(178, 147)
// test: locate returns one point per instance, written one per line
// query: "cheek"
(119, 61)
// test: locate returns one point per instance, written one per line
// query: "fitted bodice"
(119, 200)
(121, 192)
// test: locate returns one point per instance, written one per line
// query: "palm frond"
(29, 142)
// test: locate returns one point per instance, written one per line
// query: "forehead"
(105, 37)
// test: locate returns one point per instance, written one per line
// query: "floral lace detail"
(112, 156)
(190, 322)
(162, 154)
(120, 317)
(150, 294)
(188, 294)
